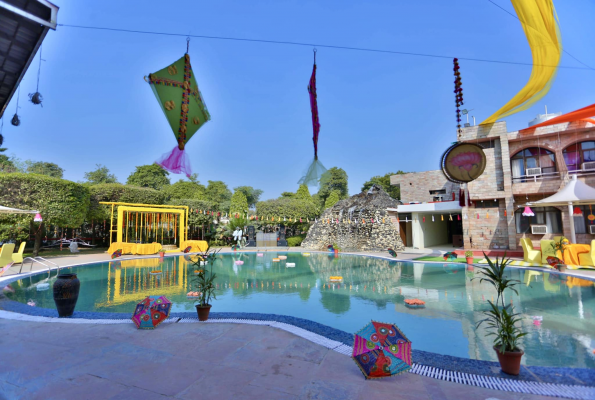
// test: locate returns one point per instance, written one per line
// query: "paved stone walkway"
(194, 361)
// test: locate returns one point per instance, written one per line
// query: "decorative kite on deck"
(316, 169)
(180, 99)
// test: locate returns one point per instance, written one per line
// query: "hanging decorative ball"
(15, 120)
(36, 98)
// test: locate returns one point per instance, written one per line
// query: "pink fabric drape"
(176, 161)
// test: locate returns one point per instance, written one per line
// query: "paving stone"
(303, 349)
(288, 376)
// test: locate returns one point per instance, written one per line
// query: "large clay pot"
(469, 260)
(203, 312)
(336, 251)
(510, 361)
(66, 293)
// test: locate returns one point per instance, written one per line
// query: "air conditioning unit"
(592, 229)
(538, 229)
(533, 171)
(587, 166)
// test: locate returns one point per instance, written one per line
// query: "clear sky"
(378, 112)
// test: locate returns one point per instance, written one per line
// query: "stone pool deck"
(194, 361)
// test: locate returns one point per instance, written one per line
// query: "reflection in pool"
(558, 314)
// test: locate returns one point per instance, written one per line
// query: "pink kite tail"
(176, 162)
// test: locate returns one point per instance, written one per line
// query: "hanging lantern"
(577, 212)
(38, 218)
(527, 212)
(15, 120)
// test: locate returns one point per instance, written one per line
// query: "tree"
(117, 192)
(332, 199)
(60, 202)
(287, 195)
(252, 195)
(44, 168)
(100, 175)
(303, 193)
(287, 208)
(11, 164)
(217, 193)
(185, 190)
(239, 203)
(151, 176)
(333, 179)
(384, 182)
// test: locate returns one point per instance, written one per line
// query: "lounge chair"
(548, 251)
(18, 257)
(6, 254)
(530, 254)
(588, 259)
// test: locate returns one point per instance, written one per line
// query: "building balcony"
(544, 183)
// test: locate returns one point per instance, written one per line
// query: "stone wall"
(416, 186)
(359, 223)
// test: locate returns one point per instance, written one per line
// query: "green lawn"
(65, 252)
(441, 259)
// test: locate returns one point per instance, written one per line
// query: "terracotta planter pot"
(510, 361)
(66, 293)
(336, 251)
(162, 254)
(203, 312)
(469, 260)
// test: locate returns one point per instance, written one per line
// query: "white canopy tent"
(575, 193)
(8, 210)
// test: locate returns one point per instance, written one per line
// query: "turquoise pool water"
(559, 315)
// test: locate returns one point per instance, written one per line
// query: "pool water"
(558, 314)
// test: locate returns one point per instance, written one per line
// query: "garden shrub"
(295, 241)
(119, 193)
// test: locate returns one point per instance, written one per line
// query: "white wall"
(426, 234)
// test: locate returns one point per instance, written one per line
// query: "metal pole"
(571, 218)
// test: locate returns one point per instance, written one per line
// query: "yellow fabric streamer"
(540, 23)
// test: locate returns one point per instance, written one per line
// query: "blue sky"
(378, 112)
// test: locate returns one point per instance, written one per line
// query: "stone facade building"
(522, 166)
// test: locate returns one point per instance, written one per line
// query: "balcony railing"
(536, 178)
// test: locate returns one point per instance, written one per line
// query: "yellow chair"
(6, 254)
(530, 254)
(18, 257)
(547, 250)
(588, 259)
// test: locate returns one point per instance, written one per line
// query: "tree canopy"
(252, 195)
(303, 193)
(117, 192)
(289, 208)
(185, 190)
(384, 182)
(333, 179)
(239, 203)
(332, 199)
(151, 176)
(100, 175)
(218, 193)
(44, 168)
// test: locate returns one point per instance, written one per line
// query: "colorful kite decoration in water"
(180, 99)
(316, 169)
(540, 23)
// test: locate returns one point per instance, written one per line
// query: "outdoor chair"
(530, 254)
(588, 259)
(547, 250)
(6, 254)
(18, 256)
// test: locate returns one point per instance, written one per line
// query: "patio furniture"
(197, 245)
(530, 254)
(6, 254)
(573, 251)
(547, 250)
(588, 259)
(18, 256)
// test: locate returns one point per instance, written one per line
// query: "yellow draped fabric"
(197, 245)
(148, 248)
(127, 248)
(572, 251)
(540, 23)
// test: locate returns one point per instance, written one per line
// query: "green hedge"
(295, 241)
(61, 202)
(119, 193)
(287, 207)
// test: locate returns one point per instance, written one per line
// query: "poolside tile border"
(430, 364)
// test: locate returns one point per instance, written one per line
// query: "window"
(488, 145)
(439, 195)
(486, 204)
(441, 191)
(549, 216)
(582, 222)
(533, 157)
(579, 153)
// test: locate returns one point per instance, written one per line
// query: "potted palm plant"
(204, 281)
(501, 320)
(560, 246)
(469, 256)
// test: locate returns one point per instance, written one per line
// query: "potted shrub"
(469, 256)
(204, 281)
(560, 246)
(336, 248)
(501, 320)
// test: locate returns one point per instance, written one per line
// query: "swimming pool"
(558, 314)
